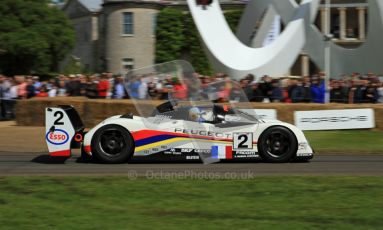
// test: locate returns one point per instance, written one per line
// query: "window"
(127, 64)
(127, 24)
(85, 36)
(154, 23)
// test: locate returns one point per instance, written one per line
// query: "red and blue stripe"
(144, 137)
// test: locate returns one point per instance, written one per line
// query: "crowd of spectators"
(351, 89)
(355, 88)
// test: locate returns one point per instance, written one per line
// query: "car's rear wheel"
(112, 144)
(277, 145)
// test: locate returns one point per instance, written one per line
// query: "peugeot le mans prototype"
(190, 132)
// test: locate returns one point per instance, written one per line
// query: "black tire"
(112, 144)
(277, 144)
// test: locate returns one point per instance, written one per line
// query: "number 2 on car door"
(60, 116)
(242, 141)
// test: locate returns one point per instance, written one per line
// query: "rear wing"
(64, 130)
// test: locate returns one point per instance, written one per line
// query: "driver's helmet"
(199, 115)
(207, 116)
(195, 114)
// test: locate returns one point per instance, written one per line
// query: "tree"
(169, 35)
(35, 37)
(232, 18)
(194, 49)
(73, 65)
(178, 38)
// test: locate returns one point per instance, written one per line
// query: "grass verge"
(259, 203)
(353, 142)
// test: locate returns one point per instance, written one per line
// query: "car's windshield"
(150, 86)
(246, 115)
(226, 114)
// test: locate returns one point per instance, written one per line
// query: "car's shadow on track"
(46, 159)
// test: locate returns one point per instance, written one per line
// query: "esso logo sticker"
(58, 137)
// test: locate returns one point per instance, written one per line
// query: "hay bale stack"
(31, 112)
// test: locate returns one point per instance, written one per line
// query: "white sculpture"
(242, 54)
(230, 55)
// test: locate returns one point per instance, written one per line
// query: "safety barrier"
(31, 112)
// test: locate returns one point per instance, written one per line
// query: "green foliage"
(194, 48)
(232, 18)
(73, 67)
(176, 43)
(35, 37)
(169, 35)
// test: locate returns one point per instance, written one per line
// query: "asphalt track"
(42, 164)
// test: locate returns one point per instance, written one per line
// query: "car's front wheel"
(277, 145)
(112, 144)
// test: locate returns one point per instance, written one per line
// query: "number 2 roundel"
(242, 141)
(60, 116)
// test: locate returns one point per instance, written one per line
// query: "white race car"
(190, 132)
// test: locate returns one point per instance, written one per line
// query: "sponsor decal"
(58, 137)
(155, 149)
(187, 150)
(202, 151)
(203, 133)
(192, 157)
(335, 119)
(246, 154)
(172, 153)
(146, 151)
